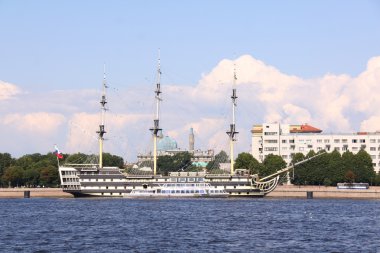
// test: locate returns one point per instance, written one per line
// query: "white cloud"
(334, 103)
(8, 90)
(371, 125)
(296, 114)
(34, 123)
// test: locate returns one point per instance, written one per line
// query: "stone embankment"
(33, 193)
(282, 191)
(293, 191)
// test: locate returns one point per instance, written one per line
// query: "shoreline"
(34, 193)
(296, 191)
(281, 191)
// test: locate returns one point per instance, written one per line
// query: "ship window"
(111, 179)
(182, 179)
(235, 187)
(173, 180)
(183, 191)
(196, 191)
(177, 191)
(119, 193)
(106, 187)
(191, 179)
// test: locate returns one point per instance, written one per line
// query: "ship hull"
(112, 182)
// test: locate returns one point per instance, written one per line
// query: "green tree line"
(37, 170)
(327, 169)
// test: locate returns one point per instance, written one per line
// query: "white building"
(286, 140)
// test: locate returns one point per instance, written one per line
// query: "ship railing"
(83, 167)
(217, 175)
(140, 176)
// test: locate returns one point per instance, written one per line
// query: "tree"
(49, 176)
(362, 167)
(31, 177)
(113, 160)
(221, 157)
(178, 162)
(6, 161)
(272, 163)
(350, 176)
(14, 176)
(247, 161)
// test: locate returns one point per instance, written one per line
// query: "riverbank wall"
(281, 191)
(33, 193)
(293, 191)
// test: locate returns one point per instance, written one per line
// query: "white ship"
(96, 180)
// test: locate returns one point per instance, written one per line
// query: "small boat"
(359, 186)
(178, 190)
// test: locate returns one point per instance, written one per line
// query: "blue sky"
(54, 44)
(48, 46)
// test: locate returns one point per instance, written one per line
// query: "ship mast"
(101, 131)
(232, 132)
(156, 122)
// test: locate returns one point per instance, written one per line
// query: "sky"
(315, 62)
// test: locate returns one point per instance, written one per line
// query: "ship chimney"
(191, 140)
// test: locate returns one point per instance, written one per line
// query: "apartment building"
(285, 140)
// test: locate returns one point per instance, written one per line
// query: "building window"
(373, 157)
(336, 140)
(372, 140)
(372, 148)
(270, 133)
(270, 141)
(283, 141)
(337, 148)
(354, 141)
(291, 141)
(327, 141)
(270, 149)
(362, 140)
(344, 140)
(354, 148)
(319, 141)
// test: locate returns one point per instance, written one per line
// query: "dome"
(166, 143)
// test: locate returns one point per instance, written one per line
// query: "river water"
(189, 225)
